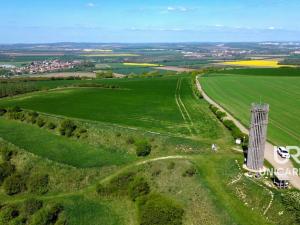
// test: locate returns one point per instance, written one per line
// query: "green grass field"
(238, 90)
(57, 148)
(147, 103)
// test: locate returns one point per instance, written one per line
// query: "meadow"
(237, 89)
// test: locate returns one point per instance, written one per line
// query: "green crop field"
(237, 89)
(136, 103)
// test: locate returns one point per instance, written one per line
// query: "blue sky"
(33, 21)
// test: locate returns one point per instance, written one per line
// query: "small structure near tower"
(257, 137)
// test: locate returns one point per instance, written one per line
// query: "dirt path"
(269, 151)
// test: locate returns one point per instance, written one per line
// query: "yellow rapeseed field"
(141, 64)
(255, 63)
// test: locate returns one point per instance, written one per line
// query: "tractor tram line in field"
(184, 113)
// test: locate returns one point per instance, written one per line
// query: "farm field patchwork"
(237, 92)
(112, 55)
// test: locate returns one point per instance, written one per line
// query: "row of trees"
(15, 88)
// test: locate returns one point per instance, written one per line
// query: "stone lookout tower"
(257, 137)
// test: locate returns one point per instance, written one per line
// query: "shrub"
(6, 153)
(80, 132)
(31, 205)
(159, 210)
(41, 122)
(8, 213)
(213, 108)
(130, 140)
(15, 109)
(143, 148)
(220, 115)
(67, 128)
(118, 185)
(171, 165)
(51, 125)
(291, 203)
(6, 169)
(48, 215)
(156, 172)
(191, 171)
(17, 116)
(14, 184)
(2, 111)
(38, 183)
(138, 187)
(32, 117)
(229, 124)
(103, 190)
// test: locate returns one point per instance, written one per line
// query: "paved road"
(269, 151)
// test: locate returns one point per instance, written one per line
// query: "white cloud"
(90, 4)
(176, 9)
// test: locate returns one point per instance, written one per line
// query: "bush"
(130, 140)
(190, 172)
(220, 115)
(15, 109)
(143, 148)
(171, 165)
(15, 184)
(31, 205)
(291, 203)
(32, 117)
(118, 185)
(138, 187)
(229, 124)
(6, 169)
(51, 125)
(6, 153)
(67, 128)
(38, 183)
(103, 190)
(41, 122)
(2, 111)
(8, 213)
(80, 133)
(213, 108)
(48, 215)
(159, 210)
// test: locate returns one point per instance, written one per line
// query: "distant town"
(37, 67)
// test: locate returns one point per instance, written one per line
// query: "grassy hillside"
(237, 92)
(97, 178)
(146, 103)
